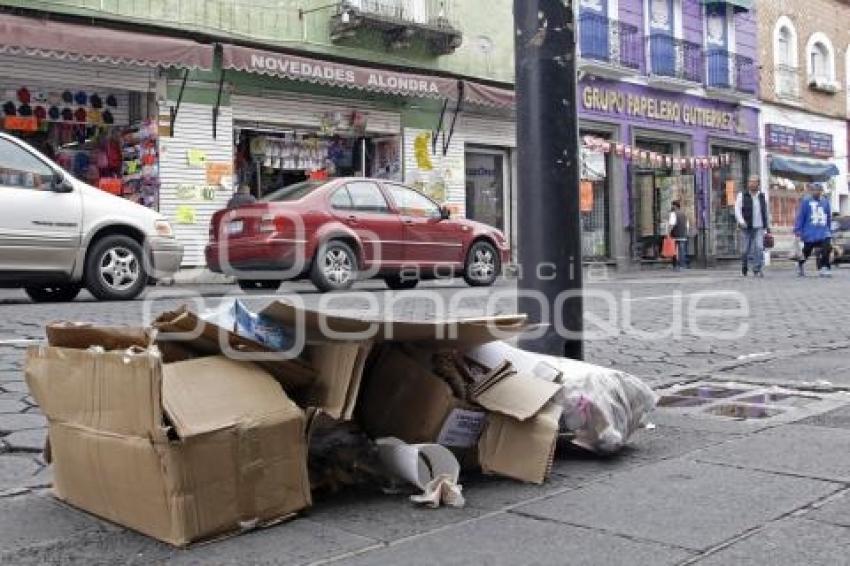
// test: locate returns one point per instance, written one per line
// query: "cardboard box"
(180, 452)
(403, 399)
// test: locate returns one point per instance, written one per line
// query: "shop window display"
(77, 129)
(594, 205)
(726, 183)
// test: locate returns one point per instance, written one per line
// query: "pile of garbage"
(204, 426)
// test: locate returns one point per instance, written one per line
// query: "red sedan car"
(337, 231)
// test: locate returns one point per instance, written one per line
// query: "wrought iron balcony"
(728, 71)
(675, 59)
(400, 22)
(787, 80)
(610, 42)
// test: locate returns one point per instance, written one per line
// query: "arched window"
(785, 59)
(820, 59)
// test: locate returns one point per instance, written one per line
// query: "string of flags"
(653, 159)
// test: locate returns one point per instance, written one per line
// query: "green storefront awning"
(739, 5)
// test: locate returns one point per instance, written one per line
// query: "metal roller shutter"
(38, 70)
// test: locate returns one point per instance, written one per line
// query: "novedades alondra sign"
(338, 74)
(660, 109)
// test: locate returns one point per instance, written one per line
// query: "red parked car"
(337, 231)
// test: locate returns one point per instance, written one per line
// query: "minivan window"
(367, 197)
(293, 192)
(21, 169)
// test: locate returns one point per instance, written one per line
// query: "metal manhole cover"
(711, 392)
(679, 401)
(783, 399)
(743, 412)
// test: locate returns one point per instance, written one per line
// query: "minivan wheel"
(249, 285)
(335, 267)
(115, 269)
(483, 265)
(53, 293)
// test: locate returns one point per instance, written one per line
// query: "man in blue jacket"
(813, 229)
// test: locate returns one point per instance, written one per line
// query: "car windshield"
(293, 192)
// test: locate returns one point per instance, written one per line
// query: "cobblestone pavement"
(752, 496)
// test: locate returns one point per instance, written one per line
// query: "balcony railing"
(787, 82)
(399, 21)
(610, 41)
(727, 70)
(675, 58)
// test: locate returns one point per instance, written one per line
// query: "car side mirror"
(445, 213)
(61, 184)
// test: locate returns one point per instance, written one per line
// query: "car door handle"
(352, 219)
(408, 221)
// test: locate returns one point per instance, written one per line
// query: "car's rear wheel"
(483, 264)
(115, 269)
(53, 293)
(400, 283)
(335, 267)
(250, 285)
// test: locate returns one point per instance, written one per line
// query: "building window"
(785, 59)
(820, 58)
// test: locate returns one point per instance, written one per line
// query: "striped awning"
(65, 41)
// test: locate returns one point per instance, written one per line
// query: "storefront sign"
(785, 139)
(186, 215)
(196, 158)
(612, 101)
(217, 171)
(336, 74)
(731, 192)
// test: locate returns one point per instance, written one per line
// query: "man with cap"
(813, 228)
(753, 218)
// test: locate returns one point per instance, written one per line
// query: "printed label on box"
(462, 429)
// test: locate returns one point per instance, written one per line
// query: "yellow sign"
(422, 151)
(196, 157)
(612, 101)
(730, 193)
(586, 196)
(186, 215)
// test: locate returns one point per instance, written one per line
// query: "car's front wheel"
(53, 293)
(483, 264)
(250, 285)
(335, 267)
(115, 269)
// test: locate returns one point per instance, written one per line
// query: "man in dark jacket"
(753, 218)
(241, 197)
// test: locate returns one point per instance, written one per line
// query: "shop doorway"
(726, 183)
(653, 191)
(488, 186)
(268, 158)
(594, 203)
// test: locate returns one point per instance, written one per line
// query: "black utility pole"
(548, 225)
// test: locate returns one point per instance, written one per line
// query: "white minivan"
(58, 234)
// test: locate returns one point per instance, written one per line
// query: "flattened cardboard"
(403, 399)
(241, 464)
(469, 331)
(209, 340)
(83, 335)
(492, 354)
(517, 395)
(339, 370)
(522, 450)
(214, 393)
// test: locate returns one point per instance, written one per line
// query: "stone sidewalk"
(692, 490)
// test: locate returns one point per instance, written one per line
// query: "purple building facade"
(671, 81)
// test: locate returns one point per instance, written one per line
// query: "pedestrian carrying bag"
(768, 241)
(668, 248)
